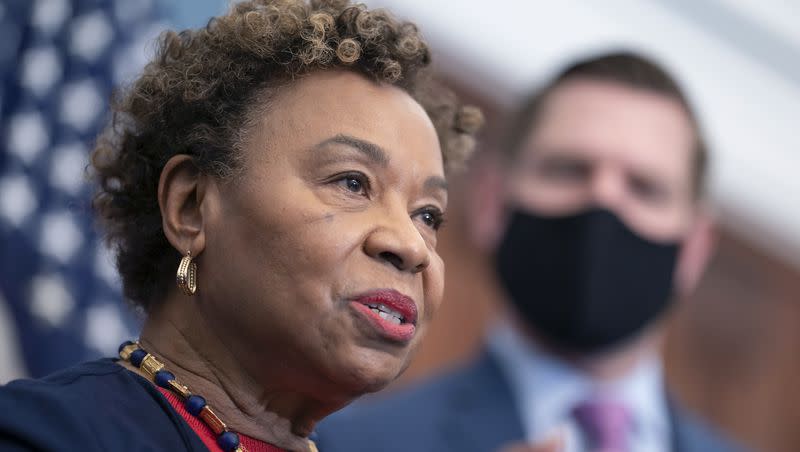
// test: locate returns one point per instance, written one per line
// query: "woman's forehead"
(337, 103)
(344, 95)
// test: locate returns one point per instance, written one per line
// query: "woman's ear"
(181, 188)
(696, 252)
(486, 201)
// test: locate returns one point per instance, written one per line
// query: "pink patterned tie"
(605, 424)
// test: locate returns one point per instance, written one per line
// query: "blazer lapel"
(482, 415)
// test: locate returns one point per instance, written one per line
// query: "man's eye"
(647, 190)
(566, 170)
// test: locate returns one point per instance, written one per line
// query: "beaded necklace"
(196, 405)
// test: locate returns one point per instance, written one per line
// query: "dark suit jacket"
(469, 410)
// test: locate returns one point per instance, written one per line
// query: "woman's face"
(320, 268)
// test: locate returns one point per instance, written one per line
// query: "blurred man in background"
(598, 222)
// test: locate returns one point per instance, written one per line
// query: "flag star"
(80, 104)
(49, 15)
(28, 136)
(50, 300)
(41, 69)
(104, 328)
(67, 167)
(17, 199)
(130, 59)
(60, 236)
(91, 35)
(125, 64)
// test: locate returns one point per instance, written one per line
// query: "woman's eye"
(433, 218)
(355, 183)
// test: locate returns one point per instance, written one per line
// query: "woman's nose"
(397, 242)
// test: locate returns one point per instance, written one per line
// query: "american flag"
(60, 299)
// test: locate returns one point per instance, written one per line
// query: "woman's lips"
(392, 314)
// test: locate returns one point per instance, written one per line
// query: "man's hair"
(204, 88)
(624, 68)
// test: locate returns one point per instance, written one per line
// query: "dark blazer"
(468, 410)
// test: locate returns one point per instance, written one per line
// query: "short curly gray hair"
(203, 85)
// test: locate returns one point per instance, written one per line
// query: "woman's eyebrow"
(436, 183)
(370, 150)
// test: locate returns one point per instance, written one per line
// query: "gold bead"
(212, 420)
(182, 390)
(126, 351)
(150, 365)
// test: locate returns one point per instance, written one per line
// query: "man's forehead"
(600, 102)
(608, 120)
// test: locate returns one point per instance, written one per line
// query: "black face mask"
(584, 282)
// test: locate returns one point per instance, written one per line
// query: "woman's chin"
(367, 373)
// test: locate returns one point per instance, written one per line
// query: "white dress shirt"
(547, 389)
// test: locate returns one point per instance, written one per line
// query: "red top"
(204, 432)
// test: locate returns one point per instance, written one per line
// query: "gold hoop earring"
(187, 275)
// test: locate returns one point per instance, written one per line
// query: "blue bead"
(228, 441)
(123, 345)
(163, 377)
(195, 404)
(137, 356)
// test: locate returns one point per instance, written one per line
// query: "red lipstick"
(392, 314)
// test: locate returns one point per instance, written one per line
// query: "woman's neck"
(189, 348)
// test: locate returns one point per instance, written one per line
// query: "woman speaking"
(272, 186)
